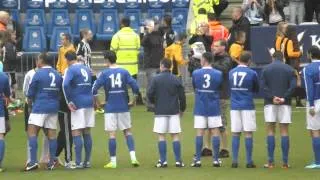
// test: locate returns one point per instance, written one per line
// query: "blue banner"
(263, 38)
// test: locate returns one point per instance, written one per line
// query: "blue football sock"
(199, 144)
(162, 146)
(235, 148)
(112, 147)
(2, 149)
(52, 149)
(249, 147)
(216, 147)
(316, 149)
(271, 146)
(87, 141)
(33, 144)
(285, 148)
(78, 144)
(177, 150)
(130, 143)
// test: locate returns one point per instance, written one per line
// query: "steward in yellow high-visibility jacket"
(206, 4)
(202, 18)
(126, 44)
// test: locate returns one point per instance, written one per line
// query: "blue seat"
(55, 41)
(108, 24)
(58, 5)
(180, 4)
(34, 39)
(156, 14)
(155, 4)
(35, 17)
(108, 4)
(179, 29)
(135, 17)
(15, 15)
(132, 4)
(35, 4)
(10, 4)
(83, 20)
(59, 17)
(180, 16)
(84, 5)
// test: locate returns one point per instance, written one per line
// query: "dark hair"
(45, 58)
(202, 11)
(291, 34)
(83, 32)
(181, 36)
(125, 22)
(314, 52)
(212, 17)
(110, 56)
(245, 57)
(167, 19)
(239, 34)
(71, 56)
(67, 36)
(166, 63)
(208, 57)
(278, 55)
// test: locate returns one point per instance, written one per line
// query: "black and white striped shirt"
(84, 51)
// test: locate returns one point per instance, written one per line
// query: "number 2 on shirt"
(116, 80)
(242, 75)
(53, 79)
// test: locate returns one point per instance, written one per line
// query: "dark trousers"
(65, 137)
(311, 7)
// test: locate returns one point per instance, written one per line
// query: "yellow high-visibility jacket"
(206, 4)
(126, 44)
(201, 18)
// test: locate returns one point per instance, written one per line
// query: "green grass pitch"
(146, 147)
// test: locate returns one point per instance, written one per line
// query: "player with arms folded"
(244, 83)
(114, 80)
(206, 83)
(77, 88)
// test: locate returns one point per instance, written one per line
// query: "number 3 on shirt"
(235, 78)
(207, 79)
(116, 80)
(53, 79)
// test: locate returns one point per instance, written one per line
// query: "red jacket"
(218, 31)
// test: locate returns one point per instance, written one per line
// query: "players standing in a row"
(77, 88)
(278, 81)
(311, 75)
(206, 83)
(115, 80)
(166, 93)
(243, 83)
(43, 93)
(5, 93)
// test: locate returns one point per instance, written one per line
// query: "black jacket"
(279, 5)
(224, 64)
(206, 40)
(243, 24)
(167, 94)
(278, 79)
(10, 57)
(168, 35)
(153, 49)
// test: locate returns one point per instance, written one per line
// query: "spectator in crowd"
(296, 11)
(237, 47)
(175, 53)
(200, 19)
(219, 8)
(223, 62)
(202, 35)
(167, 31)
(67, 46)
(253, 10)
(207, 5)
(292, 54)
(126, 44)
(4, 20)
(273, 11)
(312, 7)
(280, 35)
(152, 43)
(84, 49)
(216, 29)
(240, 23)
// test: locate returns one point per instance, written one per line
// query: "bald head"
(4, 17)
(236, 13)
